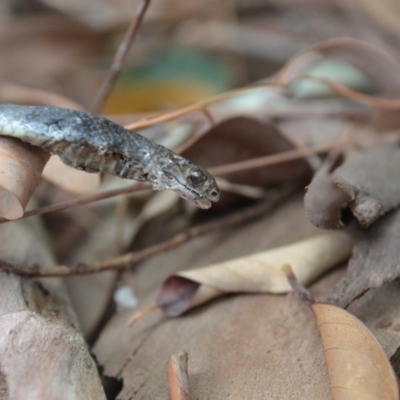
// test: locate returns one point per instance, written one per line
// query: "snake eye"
(197, 178)
(214, 193)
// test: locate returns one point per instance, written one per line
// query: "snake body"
(95, 144)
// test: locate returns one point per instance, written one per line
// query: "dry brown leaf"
(358, 367)
(367, 183)
(257, 346)
(243, 138)
(257, 273)
(375, 261)
(20, 168)
(42, 352)
(324, 202)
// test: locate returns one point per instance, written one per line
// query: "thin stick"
(120, 57)
(80, 201)
(277, 158)
(197, 107)
(178, 378)
(133, 258)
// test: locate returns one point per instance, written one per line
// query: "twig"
(133, 258)
(177, 371)
(80, 201)
(120, 57)
(277, 158)
(198, 107)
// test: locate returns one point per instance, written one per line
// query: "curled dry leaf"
(20, 168)
(244, 138)
(55, 171)
(367, 183)
(375, 261)
(324, 202)
(257, 273)
(357, 365)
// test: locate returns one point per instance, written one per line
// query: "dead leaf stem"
(178, 377)
(120, 57)
(141, 313)
(133, 258)
(300, 290)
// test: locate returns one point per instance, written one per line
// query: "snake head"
(192, 182)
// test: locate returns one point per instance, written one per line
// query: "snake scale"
(95, 144)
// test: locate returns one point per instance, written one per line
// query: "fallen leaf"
(357, 365)
(40, 341)
(367, 183)
(20, 169)
(243, 346)
(324, 202)
(375, 260)
(256, 273)
(243, 138)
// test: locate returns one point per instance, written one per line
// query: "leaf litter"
(358, 367)
(366, 183)
(355, 195)
(256, 273)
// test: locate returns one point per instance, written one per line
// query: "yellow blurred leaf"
(150, 96)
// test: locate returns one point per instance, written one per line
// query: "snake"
(93, 144)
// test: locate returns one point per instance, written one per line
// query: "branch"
(277, 158)
(200, 106)
(133, 258)
(120, 57)
(80, 201)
